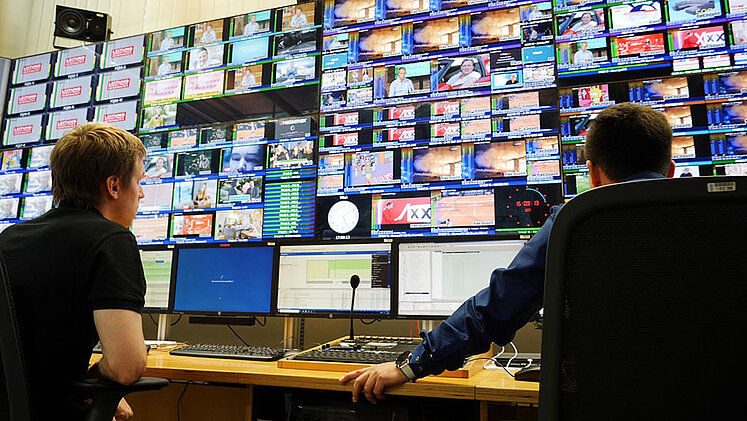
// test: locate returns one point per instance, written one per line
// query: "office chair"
(14, 393)
(645, 303)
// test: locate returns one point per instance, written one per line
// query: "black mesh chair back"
(14, 395)
(645, 303)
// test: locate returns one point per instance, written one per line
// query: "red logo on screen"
(68, 92)
(346, 119)
(124, 51)
(32, 68)
(405, 113)
(407, 133)
(345, 139)
(115, 118)
(118, 84)
(447, 108)
(21, 130)
(27, 99)
(66, 124)
(75, 61)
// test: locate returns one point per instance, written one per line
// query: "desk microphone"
(355, 280)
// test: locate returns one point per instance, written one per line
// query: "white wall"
(26, 26)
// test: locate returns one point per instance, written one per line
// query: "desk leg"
(483, 411)
(249, 402)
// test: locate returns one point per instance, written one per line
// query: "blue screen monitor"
(224, 280)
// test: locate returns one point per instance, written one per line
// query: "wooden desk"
(224, 399)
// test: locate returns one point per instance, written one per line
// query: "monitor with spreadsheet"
(435, 278)
(224, 280)
(157, 269)
(315, 279)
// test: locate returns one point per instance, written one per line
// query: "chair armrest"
(106, 394)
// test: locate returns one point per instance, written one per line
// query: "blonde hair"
(86, 156)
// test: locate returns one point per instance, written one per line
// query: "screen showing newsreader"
(436, 278)
(316, 279)
(224, 279)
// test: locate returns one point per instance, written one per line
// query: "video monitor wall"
(437, 119)
(25, 184)
(231, 182)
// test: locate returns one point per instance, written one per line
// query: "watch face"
(343, 217)
(403, 359)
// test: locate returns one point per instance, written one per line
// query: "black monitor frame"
(273, 281)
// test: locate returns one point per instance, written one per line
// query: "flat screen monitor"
(203, 85)
(315, 280)
(121, 114)
(26, 99)
(121, 84)
(157, 267)
(122, 52)
(22, 130)
(435, 278)
(29, 69)
(75, 60)
(70, 92)
(61, 122)
(39, 156)
(226, 280)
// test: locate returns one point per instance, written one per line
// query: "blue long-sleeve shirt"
(494, 314)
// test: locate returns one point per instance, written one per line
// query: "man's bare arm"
(122, 345)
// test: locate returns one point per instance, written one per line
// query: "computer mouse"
(530, 373)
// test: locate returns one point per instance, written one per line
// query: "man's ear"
(112, 187)
(595, 178)
(670, 172)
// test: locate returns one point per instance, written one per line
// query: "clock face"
(343, 217)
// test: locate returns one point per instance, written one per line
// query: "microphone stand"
(355, 280)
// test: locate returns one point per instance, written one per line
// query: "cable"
(496, 363)
(371, 322)
(264, 321)
(179, 401)
(152, 319)
(237, 335)
(179, 319)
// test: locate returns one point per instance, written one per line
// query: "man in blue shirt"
(626, 142)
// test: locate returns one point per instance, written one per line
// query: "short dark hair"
(627, 139)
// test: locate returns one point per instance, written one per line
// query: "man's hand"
(124, 412)
(373, 380)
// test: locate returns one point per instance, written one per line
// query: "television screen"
(333, 79)
(155, 141)
(687, 11)
(61, 122)
(507, 80)
(149, 229)
(29, 69)
(698, 38)
(347, 12)
(643, 45)
(495, 26)
(678, 117)
(238, 224)
(157, 197)
(337, 42)
(683, 147)
(22, 130)
(295, 42)
(590, 96)
(185, 138)
(121, 84)
(246, 158)
(203, 85)
(298, 16)
(293, 128)
(207, 32)
(290, 154)
(39, 156)
(251, 24)
(157, 166)
(75, 60)
(439, 163)
(205, 57)
(294, 71)
(251, 131)
(192, 225)
(536, 11)
(38, 181)
(664, 89)
(438, 34)
(167, 39)
(537, 31)
(369, 168)
(165, 64)
(737, 6)
(462, 72)
(502, 159)
(34, 206)
(216, 134)
(479, 105)
(463, 208)
(70, 92)
(403, 79)
(12, 159)
(122, 52)
(239, 190)
(249, 50)
(243, 78)
(11, 183)
(25, 99)
(121, 114)
(379, 43)
(583, 53)
(9, 208)
(539, 54)
(634, 15)
(163, 90)
(195, 194)
(581, 22)
(198, 162)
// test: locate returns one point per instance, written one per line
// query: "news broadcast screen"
(203, 85)
(251, 24)
(120, 114)
(61, 122)
(122, 52)
(75, 60)
(162, 91)
(30, 69)
(118, 84)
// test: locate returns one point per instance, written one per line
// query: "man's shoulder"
(68, 223)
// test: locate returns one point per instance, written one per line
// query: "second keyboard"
(230, 352)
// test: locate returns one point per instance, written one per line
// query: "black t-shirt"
(64, 265)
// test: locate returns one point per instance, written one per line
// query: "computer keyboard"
(362, 350)
(257, 353)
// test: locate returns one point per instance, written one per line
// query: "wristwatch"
(403, 363)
